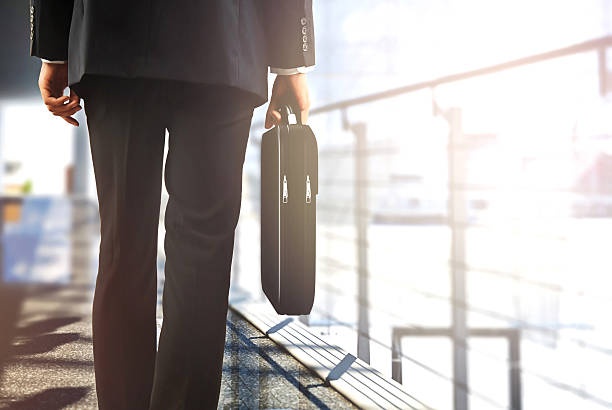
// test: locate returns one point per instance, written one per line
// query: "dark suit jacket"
(228, 42)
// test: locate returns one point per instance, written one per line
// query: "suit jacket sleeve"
(49, 28)
(289, 32)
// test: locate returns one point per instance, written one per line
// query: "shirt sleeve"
(291, 71)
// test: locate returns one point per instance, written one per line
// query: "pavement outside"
(46, 359)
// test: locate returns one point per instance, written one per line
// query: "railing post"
(361, 223)
(605, 72)
(605, 75)
(514, 347)
(396, 357)
(457, 217)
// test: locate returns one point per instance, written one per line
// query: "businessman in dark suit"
(197, 69)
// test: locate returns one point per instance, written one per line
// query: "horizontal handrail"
(590, 45)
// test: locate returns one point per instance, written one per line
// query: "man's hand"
(288, 87)
(52, 82)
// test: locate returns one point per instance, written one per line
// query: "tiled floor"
(45, 341)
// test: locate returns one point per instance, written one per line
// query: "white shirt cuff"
(290, 71)
(53, 61)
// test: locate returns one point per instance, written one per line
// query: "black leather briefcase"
(289, 186)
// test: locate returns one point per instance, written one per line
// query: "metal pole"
(457, 212)
(361, 223)
(604, 75)
(396, 357)
(514, 341)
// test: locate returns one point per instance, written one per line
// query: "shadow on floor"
(51, 399)
(46, 325)
(44, 343)
(11, 299)
(278, 369)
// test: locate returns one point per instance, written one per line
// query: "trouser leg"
(208, 135)
(127, 146)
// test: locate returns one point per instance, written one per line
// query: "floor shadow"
(341, 368)
(51, 399)
(314, 386)
(11, 299)
(46, 325)
(257, 337)
(27, 344)
(62, 363)
(277, 367)
(44, 343)
(38, 336)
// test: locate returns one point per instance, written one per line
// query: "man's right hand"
(52, 82)
(293, 86)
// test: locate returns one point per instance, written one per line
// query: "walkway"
(45, 326)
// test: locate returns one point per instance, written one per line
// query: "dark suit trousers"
(208, 131)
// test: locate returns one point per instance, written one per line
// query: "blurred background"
(465, 201)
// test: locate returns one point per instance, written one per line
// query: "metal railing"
(457, 219)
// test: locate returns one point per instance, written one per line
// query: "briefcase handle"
(289, 116)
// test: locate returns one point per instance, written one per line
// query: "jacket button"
(303, 21)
